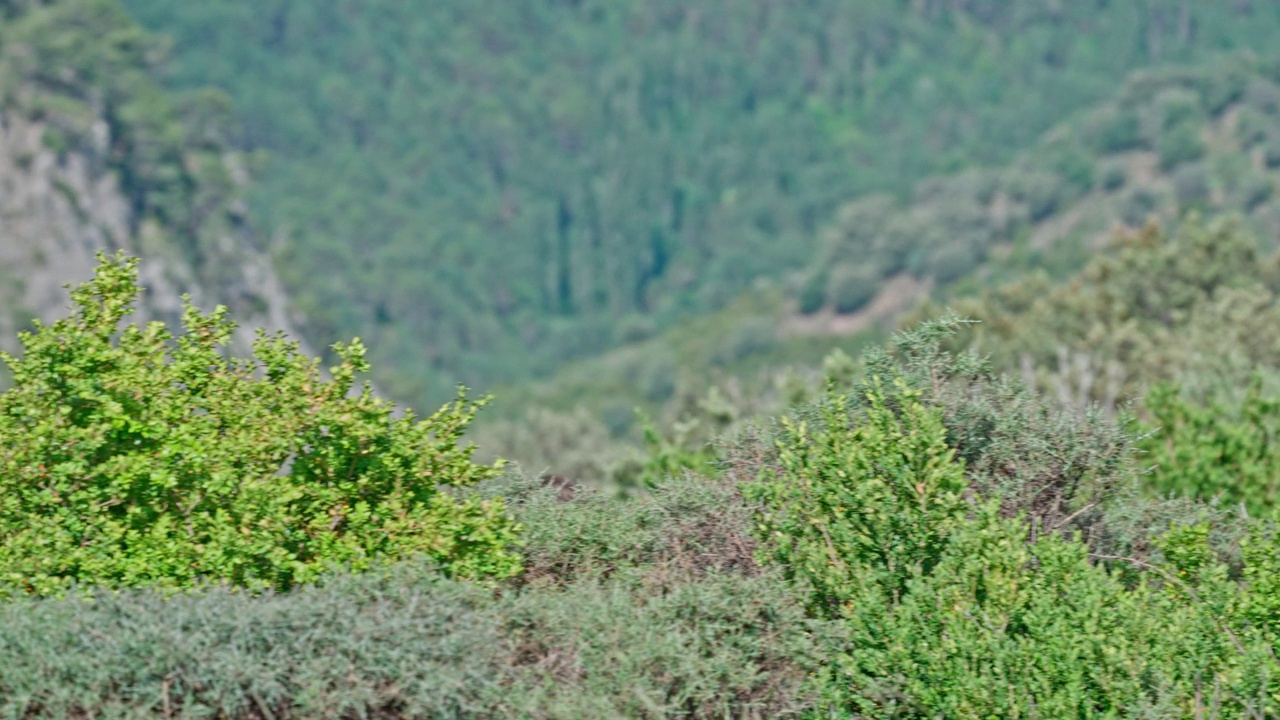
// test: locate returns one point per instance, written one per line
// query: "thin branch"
(1073, 516)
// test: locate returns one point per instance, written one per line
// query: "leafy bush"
(396, 642)
(684, 526)
(131, 457)
(1116, 131)
(853, 287)
(1194, 305)
(955, 260)
(1220, 450)
(576, 445)
(1138, 206)
(1114, 175)
(725, 646)
(1073, 163)
(1044, 463)
(647, 607)
(813, 292)
(950, 610)
(1255, 191)
(1271, 155)
(749, 337)
(1253, 128)
(1042, 193)
(836, 504)
(1180, 144)
(1191, 186)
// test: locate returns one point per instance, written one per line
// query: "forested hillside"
(485, 190)
(1166, 143)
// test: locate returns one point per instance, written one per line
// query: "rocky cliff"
(96, 156)
(58, 210)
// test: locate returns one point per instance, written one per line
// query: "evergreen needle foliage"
(129, 456)
(950, 608)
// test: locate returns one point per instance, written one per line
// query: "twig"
(1171, 578)
(1073, 516)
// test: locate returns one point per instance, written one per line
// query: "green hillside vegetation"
(932, 539)
(1182, 324)
(484, 190)
(1060, 498)
(1169, 142)
(1031, 222)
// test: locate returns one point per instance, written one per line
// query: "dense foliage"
(1222, 449)
(615, 161)
(1052, 206)
(1065, 509)
(851, 561)
(651, 608)
(1180, 322)
(131, 457)
(1196, 302)
(959, 234)
(953, 606)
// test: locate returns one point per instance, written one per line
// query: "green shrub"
(749, 337)
(1253, 128)
(950, 608)
(1255, 191)
(1114, 175)
(836, 503)
(723, 647)
(650, 606)
(1041, 462)
(1138, 205)
(1224, 89)
(1040, 192)
(1271, 155)
(853, 287)
(1180, 144)
(1191, 186)
(954, 261)
(686, 525)
(813, 292)
(1074, 164)
(1219, 450)
(130, 457)
(1116, 131)
(395, 642)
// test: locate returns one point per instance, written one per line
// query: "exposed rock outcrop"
(58, 209)
(96, 155)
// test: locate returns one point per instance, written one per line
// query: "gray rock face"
(59, 209)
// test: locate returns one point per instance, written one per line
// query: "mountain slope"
(487, 190)
(1166, 144)
(96, 156)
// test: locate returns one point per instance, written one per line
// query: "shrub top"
(131, 456)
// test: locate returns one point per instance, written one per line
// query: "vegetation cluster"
(621, 166)
(926, 537)
(957, 235)
(1059, 500)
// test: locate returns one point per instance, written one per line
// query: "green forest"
(875, 359)
(487, 190)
